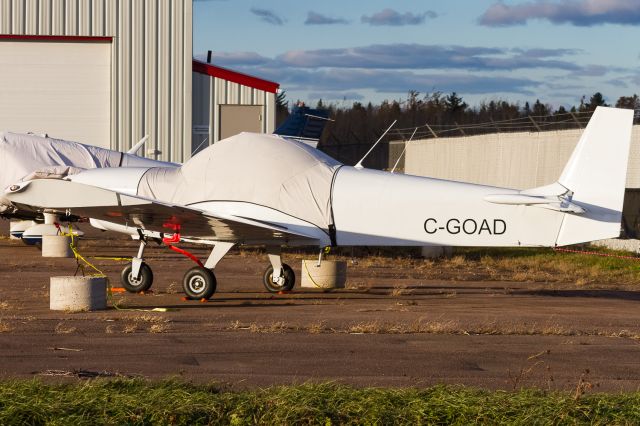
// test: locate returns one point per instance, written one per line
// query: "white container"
(330, 274)
(56, 246)
(78, 294)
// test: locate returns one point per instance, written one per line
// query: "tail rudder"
(596, 176)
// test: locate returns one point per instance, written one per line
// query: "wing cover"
(102, 204)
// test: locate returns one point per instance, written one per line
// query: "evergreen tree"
(628, 102)
(454, 104)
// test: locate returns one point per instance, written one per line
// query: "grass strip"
(139, 402)
(514, 264)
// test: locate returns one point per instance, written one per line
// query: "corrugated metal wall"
(211, 92)
(151, 61)
(507, 160)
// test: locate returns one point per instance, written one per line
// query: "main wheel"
(289, 279)
(199, 283)
(136, 285)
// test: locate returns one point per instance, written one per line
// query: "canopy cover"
(265, 170)
(28, 156)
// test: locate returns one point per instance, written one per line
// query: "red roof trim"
(236, 77)
(80, 39)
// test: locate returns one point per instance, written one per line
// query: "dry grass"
(4, 305)
(274, 327)
(317, 327)
(159, 328)
(173, 288)
(130, 327)
(436, 326)
(149, 322)
(505, 264)
(62, 328)
(400, 291)
(5, 327)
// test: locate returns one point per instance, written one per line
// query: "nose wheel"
(199, 283)
(134, 284)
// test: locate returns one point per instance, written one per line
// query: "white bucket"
(78, 294)
(56, 246)
(330, 274)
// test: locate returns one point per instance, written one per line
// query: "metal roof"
(235, 77)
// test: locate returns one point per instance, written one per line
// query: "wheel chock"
(118, 290)
(203, 300)
(185, 299)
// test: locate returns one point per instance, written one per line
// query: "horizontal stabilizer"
(557, 203)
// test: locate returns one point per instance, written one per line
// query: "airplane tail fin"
(595, 176)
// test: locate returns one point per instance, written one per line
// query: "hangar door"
(57, 87)
(235, 119)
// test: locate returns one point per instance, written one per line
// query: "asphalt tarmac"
(387, 328)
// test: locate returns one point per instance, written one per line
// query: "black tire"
(199, 283)
(143, 283)
(289, 279)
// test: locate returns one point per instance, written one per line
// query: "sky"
(343, 51)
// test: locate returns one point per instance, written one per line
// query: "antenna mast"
(359, 165)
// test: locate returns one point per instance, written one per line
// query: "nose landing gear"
(137, 276)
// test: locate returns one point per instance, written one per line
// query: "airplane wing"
(71, 198)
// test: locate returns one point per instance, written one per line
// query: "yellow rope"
(309, 275)
(117, 259)
(101, 274)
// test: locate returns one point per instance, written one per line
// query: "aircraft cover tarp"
(265, 170)
(25, 156)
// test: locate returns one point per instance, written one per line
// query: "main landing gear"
(200, 281)
(278, 276)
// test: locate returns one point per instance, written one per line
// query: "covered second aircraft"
(267, 190)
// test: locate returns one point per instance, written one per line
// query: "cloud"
(268, 16)
(391, 81)
(397, 68)
(314, 18)
(234, 59)
(394, 18)
(403, 56)
(547, 53)
(336, 96)
(576, 12)
(618, 83)
(351, 81)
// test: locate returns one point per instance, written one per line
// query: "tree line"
(355, 128)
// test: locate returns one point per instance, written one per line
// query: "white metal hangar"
(109, 72)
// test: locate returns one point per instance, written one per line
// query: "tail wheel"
(285, 285)
(141, 283)
(199, 283)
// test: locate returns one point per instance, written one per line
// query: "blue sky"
(343, 51)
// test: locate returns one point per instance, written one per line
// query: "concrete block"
(434, 252)
(330, 274)
(78, 294)
(56, 246)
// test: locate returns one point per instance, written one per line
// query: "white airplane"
(263, 189)
(30, 156)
